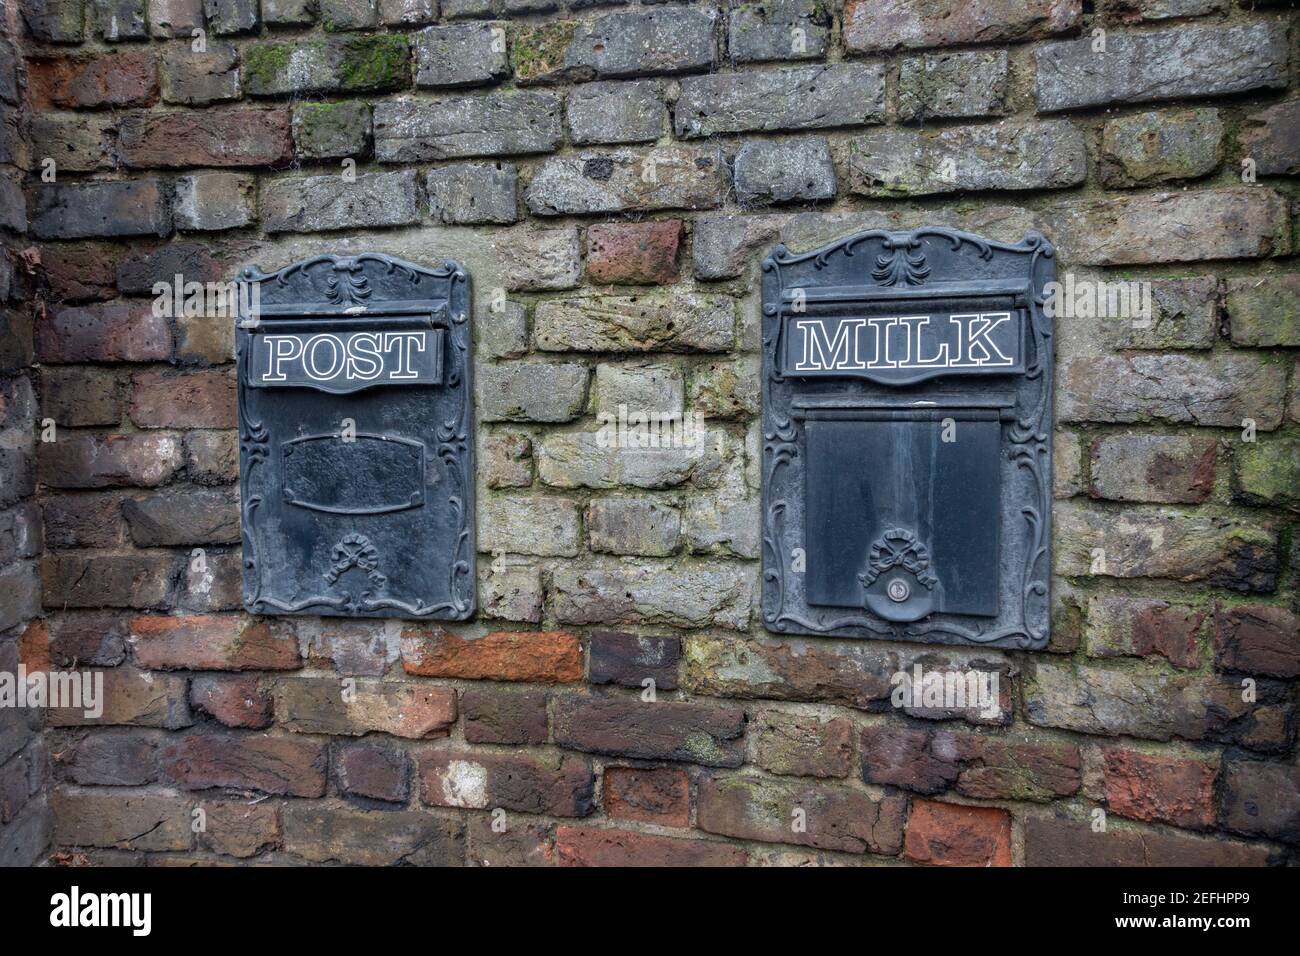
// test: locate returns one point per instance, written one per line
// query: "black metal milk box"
(907, 411)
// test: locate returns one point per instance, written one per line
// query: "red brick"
(634, 252)
(589, 846)
(241, 829)
(908, 757)
(403, 709)
(206, 138)
(1173, 632)
(376, 773)
(133, 698)
(1159, 789)
(1053, 842)
(652, 795)
(560, 786)
(511, 840)
(944, 834)
(87, 82)
(234, 701)
(702, 733)
(544, 657)
(204, 642)
(501, 715)
(80, 271)
(119, 331)
(106, 758)
(289, 766)
(1257, 639)
(198, 399)
(88, 520)
(95, 638)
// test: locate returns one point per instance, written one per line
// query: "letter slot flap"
(907, 439)
(356, 439)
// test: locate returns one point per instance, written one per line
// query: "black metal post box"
(356, 439)
(907, 396)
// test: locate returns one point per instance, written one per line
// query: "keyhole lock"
(898, 590)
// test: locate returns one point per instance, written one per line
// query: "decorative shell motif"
(898, 265)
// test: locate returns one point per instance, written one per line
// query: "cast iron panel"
(907, 439)
(356, 439)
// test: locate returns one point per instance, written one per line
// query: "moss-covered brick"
(354, 64)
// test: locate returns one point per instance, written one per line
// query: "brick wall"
(24, 817)
(611, 176)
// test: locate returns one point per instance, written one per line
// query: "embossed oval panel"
(369, 475)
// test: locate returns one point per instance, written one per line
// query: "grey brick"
(625, 43)
(682, 177)
(1158, 147)
(175, 18)
(793, 170)
(1167, 64)
(630, 112)
(531, 392)
(874, 26)
(1049, 154)
(231, 16)
(811, 97)
(765, 30)
(120, 19)
(315, 203)
(468, 193)
(55, 21)
(461, 54)
(197, 79)
(331, 130)
(212, 201)
(80, 210)
(953, 85)
(340, 15)
(497, 124)
(289, 12)
(77, 142)
(546, 526)
(394, 13)
(641, 526)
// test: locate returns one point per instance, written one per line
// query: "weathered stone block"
(779, 30)
(354, 64)
(844, 94)
(331, 130)
(1167, 64)
(1120, 626)
(1268, 472)
(642, 389)
(1158, 147)
(474, 193)
(198, 79)
(872, 26)
(633, 526)
(953, 85)
(1163, 543)
(210, 202)
(668, 177)
(1006, 156)
(79, 210)
(1218, 389)
(693, 595)
(532, 391)
(504, 124)
(461, 54)
(316, 203)
(528, 525)
(1159, 468)
(631, 112)
(790, 171)
(1264, 310)
(665, 320)
(1271, 138)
